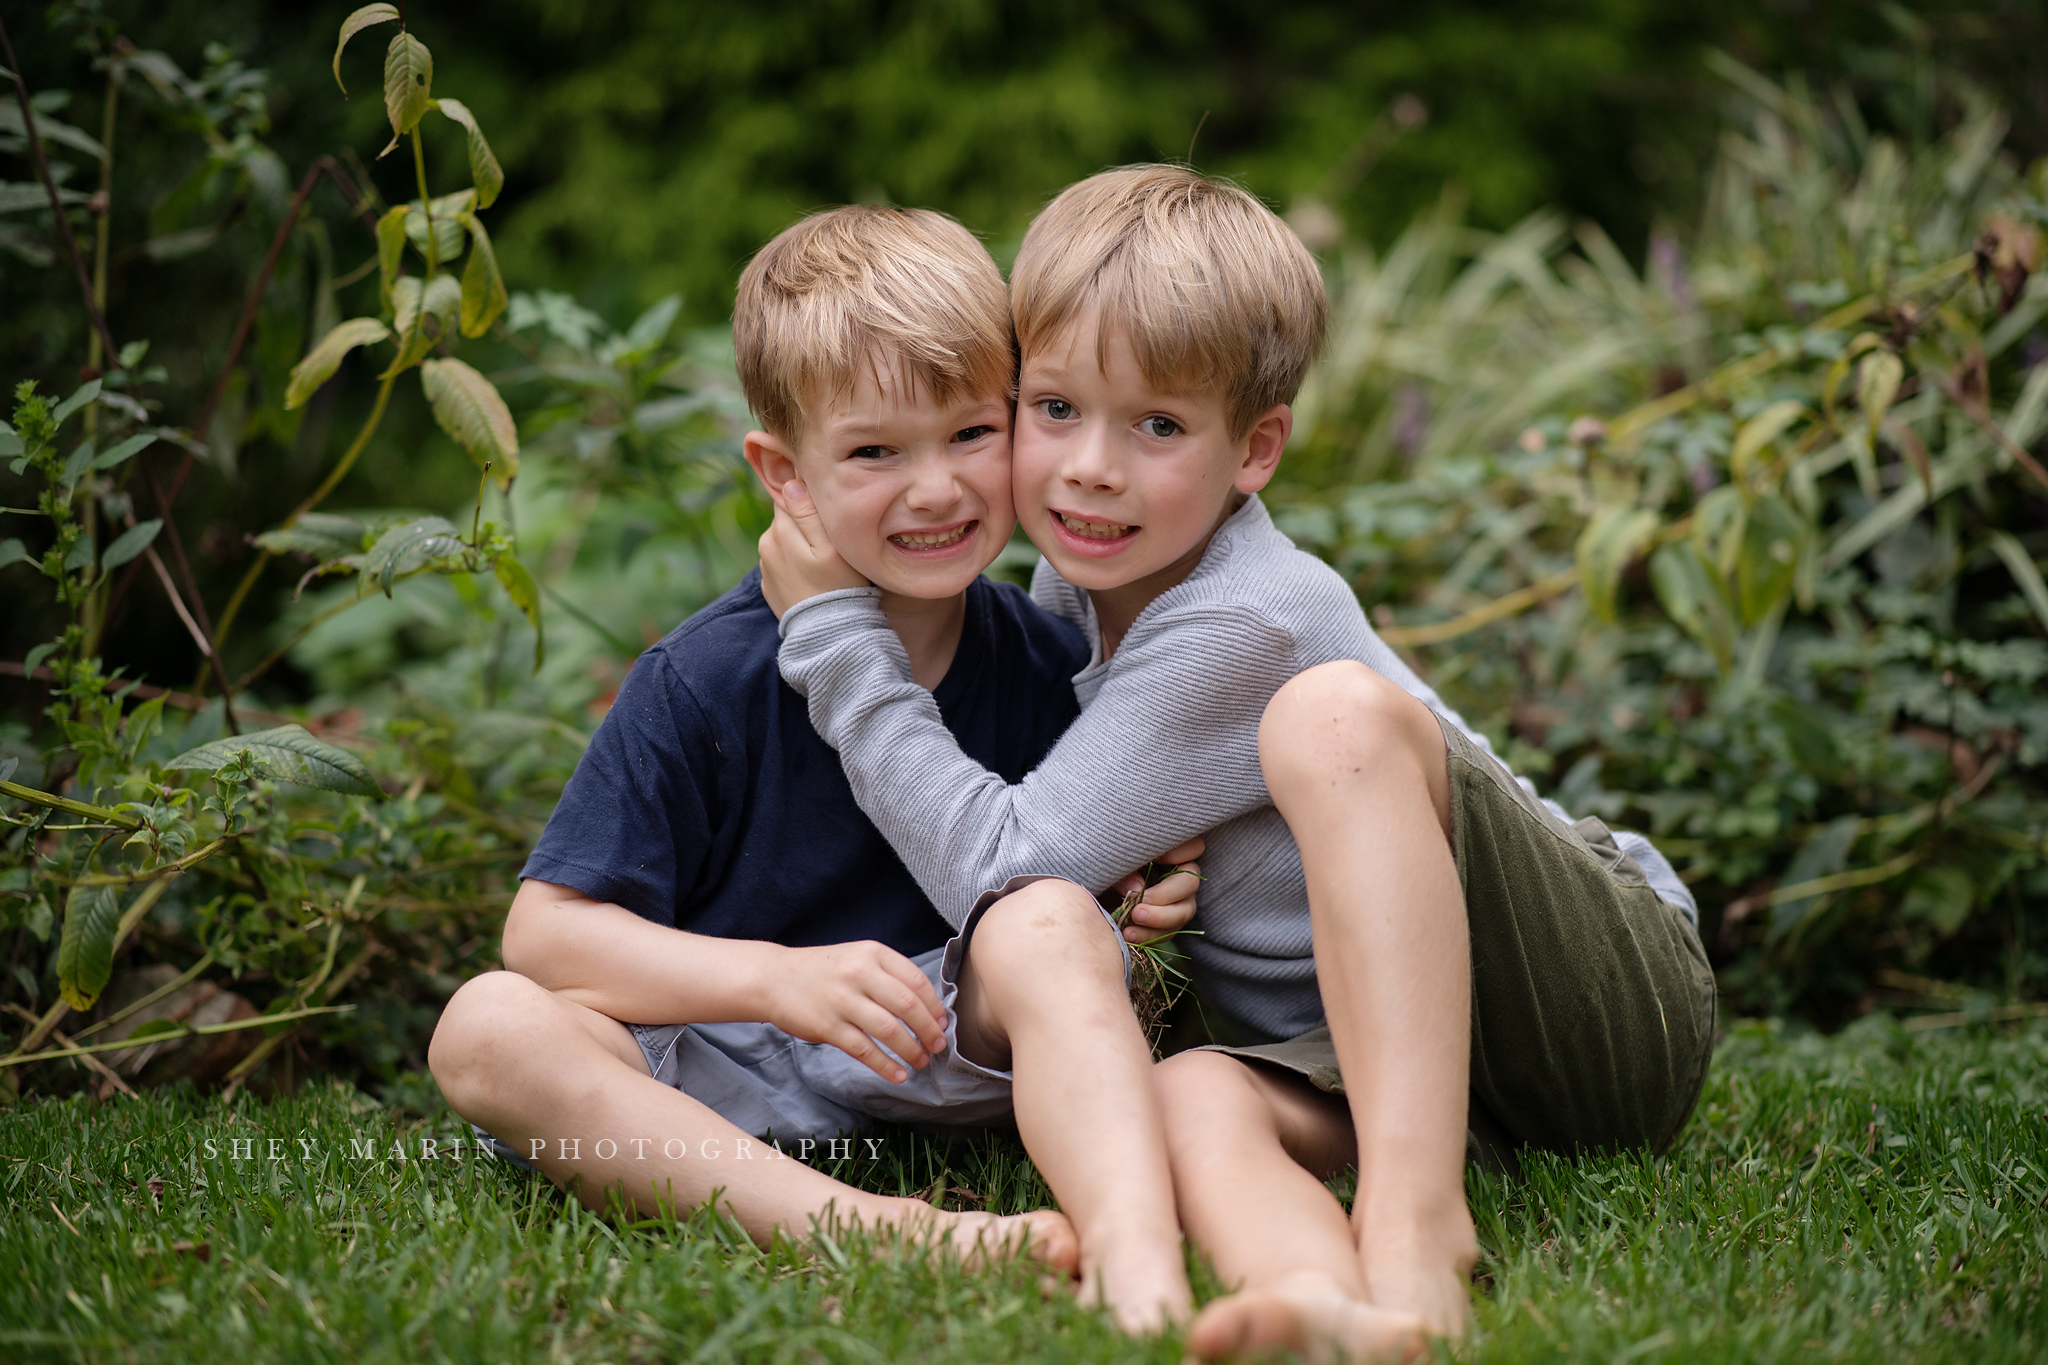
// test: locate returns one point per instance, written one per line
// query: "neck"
(1117, 608)
(930, 631)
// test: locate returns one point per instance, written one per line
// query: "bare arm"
(611, 960)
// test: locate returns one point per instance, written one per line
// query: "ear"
(773, 462)
(1262, 446)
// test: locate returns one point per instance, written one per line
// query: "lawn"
(1873, 1196)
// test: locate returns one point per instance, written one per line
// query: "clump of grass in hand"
(1159, 974)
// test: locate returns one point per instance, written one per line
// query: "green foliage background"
(1742, 638)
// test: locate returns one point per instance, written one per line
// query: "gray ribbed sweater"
(1166, 748)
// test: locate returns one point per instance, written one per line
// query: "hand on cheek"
(798, 561)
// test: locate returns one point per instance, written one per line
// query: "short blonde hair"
(845, 288)
(1210, 288)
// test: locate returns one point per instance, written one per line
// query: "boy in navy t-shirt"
(712, 943)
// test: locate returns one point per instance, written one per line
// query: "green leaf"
(1877, 384)
(1717, 528)
(130, 543)
(37, 655)
(1693, 597)
(80, 461)
(408, 82)
(53, 130)
(483, 288)
(320, 535)
(447, 212)
(1611, 540)
(10, 444)
(325, 358)
(87, 393)
(1770, 548)
(82, 554)
(154, 1028)
(12, 551)
(525, 595)
(484, 170)
(369, 16)
(412, 300)
(469, 409)
(408, 546)
(2017, 562)
(1758, 432)
(85, 955)
(125, 451)
(390, 250)
(287, 754)
(1823, 855)
(651, 326)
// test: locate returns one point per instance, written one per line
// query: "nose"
(934, 485)
(1090, 465)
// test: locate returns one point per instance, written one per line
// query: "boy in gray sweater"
(1413, 954)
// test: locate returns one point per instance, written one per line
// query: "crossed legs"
(1359, 770)
(526, 1064)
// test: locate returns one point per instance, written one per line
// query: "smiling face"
(914, 493)
(1120, 484)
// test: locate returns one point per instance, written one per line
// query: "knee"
(1050, 925)
(1201, 1093)
(475, 1032)
(1344, 715)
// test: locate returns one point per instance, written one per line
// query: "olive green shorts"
(1592, 999)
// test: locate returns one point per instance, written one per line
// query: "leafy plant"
(1782, 609)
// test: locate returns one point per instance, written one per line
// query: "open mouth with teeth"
(1090, 536)
(936, 541)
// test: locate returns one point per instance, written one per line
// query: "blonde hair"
(1210, 288)
(850, 287)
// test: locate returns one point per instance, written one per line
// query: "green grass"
(1784, 1227)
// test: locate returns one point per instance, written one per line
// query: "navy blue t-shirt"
(707, 802)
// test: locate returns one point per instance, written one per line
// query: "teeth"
(919, 540)
(1094, 530)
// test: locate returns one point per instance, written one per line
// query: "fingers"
(804, 516)
(1166, 907)
(1184, 853)
(921, 1012)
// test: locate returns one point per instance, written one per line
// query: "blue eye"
(1160, 427)
(1058, 409)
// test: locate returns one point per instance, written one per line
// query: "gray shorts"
(771, 1084)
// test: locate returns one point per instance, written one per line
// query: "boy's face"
(915, 494)
(1117, 482)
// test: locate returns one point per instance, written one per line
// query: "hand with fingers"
(1169, 903)
(858, 996)
(797, 558)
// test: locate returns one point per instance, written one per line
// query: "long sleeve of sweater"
(1168, 748)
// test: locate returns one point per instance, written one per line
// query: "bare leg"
(1250, 1148)
(1359, 769)
(1043, 995)
(569, 1086)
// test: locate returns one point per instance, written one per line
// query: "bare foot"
(1416, 1275)
(1142, 1281)
(1042, 1235)
(1310, 1316)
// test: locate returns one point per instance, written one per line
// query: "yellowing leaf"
(85, 955)
(525, 595)
(390, 250)
(1877, 384)
(408, 82)
(483, 288)
(1615, 536)
(484, 171)
(325, 358)
(1758, 432)
(369, 16)
(469, 409)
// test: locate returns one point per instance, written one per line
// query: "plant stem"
(203, 1030)
(35, 146)
(67, 805)
(348, 459)
(419, 167)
